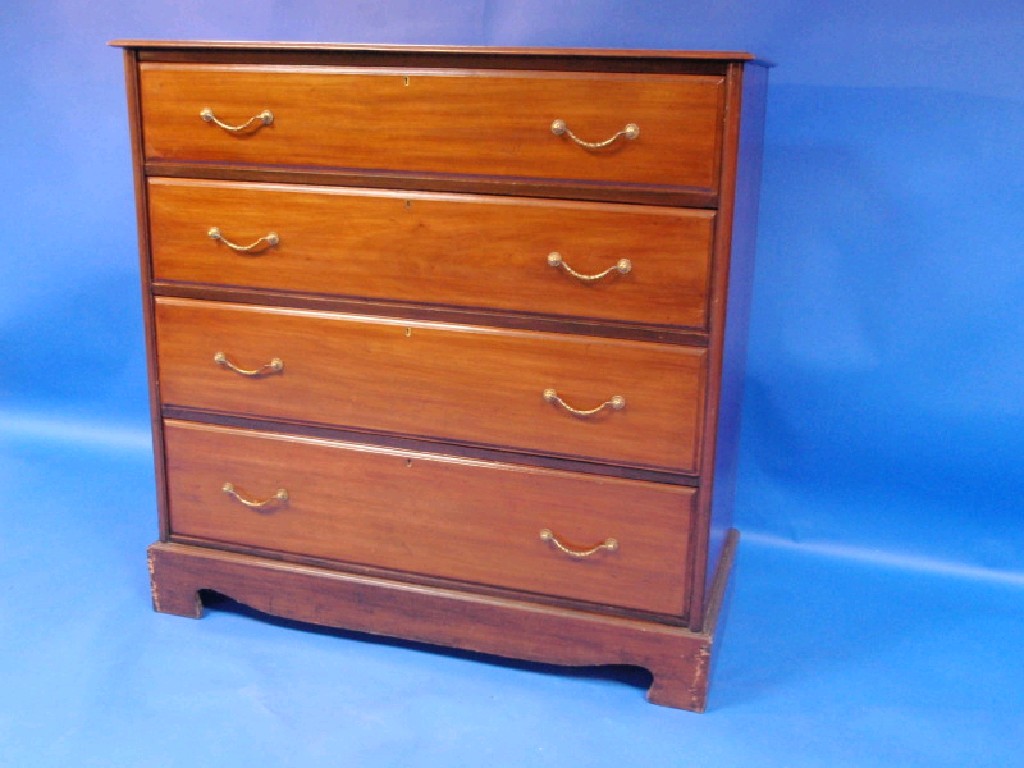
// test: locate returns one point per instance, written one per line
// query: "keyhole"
(405, 80)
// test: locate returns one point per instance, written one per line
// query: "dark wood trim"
(459, 53)
(720, 582)
(502, 455)
(568, 189)
(416, 60)
(716, 325)
(743, 236)
(732, 276)
(679, 659)
(131, 76)
(441, 314)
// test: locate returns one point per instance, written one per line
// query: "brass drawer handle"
(617, 403)
(280, 495)
(269, 240)
(276, 365)
(623, 266)
(610, 544)
(266, 117)
(559, 128)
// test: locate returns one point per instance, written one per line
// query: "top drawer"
(464, 122)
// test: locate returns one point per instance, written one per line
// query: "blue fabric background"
(883, 417)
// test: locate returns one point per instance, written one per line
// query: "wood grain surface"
(416, 193)
(466, 122)
(460, 383)
(679, 659)
(511, 57)
(461, 250)
(456, 518)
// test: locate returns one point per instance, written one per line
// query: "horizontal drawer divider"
(428, 446)
(407, 311)
(689, 197)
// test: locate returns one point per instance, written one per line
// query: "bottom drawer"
(455, 518)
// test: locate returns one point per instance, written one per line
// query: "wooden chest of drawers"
(447, 344)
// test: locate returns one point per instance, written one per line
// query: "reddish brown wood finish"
(494, 56)
(468, 251)
(464, 122)
(435, 313)
(737, 245)
(541, 189)
(679, 659)
(722, 264)
(393, 422)
(422, 513)
(131, 76)
(460, 383)
(426, 445)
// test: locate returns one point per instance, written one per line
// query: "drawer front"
(468, 520)
(466, 122)
(454, 383)
(467, 251)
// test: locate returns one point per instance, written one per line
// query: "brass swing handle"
(610, 544)
(266, 117)
(280, 495)
(622, 266)
(275, 365)
(559, 128)
(270, 240)
(617, 403)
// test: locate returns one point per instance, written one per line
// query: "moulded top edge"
(222, 45)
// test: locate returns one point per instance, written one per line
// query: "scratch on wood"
(700, 677)
(152, 581)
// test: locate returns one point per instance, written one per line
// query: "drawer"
(455, 383)
(459, 250)
(460, 519)
(463, 122)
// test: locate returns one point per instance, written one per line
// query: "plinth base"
(679, 659)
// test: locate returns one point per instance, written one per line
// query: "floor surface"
(824, 662)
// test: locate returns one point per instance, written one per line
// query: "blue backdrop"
(884, 406)
(883, 417)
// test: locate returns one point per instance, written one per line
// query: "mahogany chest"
(447, 343)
